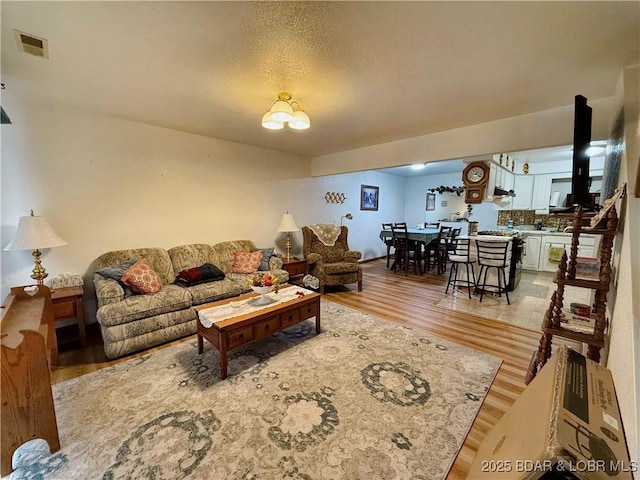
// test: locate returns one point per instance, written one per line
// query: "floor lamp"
(287, 225)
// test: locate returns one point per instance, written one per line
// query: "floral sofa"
(131, 323)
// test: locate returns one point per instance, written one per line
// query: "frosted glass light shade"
(300, 120)
(34, 233)
(268, 122)
(287, 224)
(281, 111)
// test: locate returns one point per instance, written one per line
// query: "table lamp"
(287, 225)
(34, 233)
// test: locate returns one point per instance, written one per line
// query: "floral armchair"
(329, 258)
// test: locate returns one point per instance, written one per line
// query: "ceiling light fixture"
(284, 110)
(418, 166)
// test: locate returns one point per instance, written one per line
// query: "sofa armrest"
(107, 290)
(275, 263)
(352, 256)
(314, 258)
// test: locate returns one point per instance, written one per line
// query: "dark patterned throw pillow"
(267, 253)
(115, 272)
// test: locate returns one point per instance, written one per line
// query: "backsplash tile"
(529, 217)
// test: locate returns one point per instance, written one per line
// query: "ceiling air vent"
(31, 44)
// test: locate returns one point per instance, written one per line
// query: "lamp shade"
(268, 122)
(281, 111)
(300, 120)
(287, 224)
(33, 233)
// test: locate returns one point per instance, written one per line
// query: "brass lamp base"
(287, 246)
(39, 273)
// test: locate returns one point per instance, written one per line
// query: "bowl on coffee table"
(262, 299)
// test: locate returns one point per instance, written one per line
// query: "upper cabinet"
(508, 180)
(500, 178)
(523, 188)
(541, 193)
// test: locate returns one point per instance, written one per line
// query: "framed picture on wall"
(369, 197)
(431, 201)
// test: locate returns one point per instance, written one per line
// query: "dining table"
(419, 234)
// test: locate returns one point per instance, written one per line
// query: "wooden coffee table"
(234, 332)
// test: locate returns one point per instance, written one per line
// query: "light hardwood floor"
(408, 300)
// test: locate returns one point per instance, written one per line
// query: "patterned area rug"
(365, 399)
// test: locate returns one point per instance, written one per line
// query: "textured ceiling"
(365, 72)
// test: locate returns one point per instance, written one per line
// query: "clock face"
(475, 174)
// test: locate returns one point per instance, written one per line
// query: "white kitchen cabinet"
(541, 193)
(500, 177)
(491, 184)
(509, 180)
(523, 188)
(549, 258)
(531, 258)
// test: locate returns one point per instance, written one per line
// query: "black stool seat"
(493, 255)
(459, 255)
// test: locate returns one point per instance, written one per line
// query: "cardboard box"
(565, 425)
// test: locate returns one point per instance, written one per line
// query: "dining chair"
(436, 251)
(431, 224)
(493, 255)
(407, 252)
(389, 243)
(459, 254)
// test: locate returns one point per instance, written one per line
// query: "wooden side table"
(67, 303)
(295, 267)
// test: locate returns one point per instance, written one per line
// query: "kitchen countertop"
(488, 238)
(526, 230)
(526, 233)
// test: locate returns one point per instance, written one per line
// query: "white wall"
(416, 191)
(485, 213)
(549, 128)
(624, 302)
(308, 206)
(107, 184)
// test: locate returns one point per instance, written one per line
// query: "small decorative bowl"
(262, 290)
(262, 299)
(580, 309)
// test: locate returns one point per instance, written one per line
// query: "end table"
(68, 302)
(295, 267)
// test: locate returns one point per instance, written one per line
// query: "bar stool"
(459, 255)
(493, 255)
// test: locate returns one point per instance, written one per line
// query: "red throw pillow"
(142, 278)
(246, 262)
